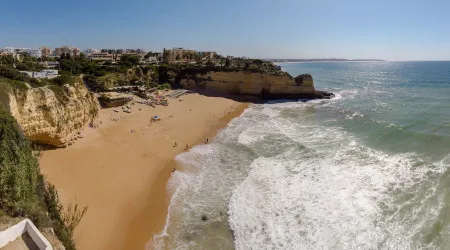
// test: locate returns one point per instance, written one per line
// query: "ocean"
(365, 170)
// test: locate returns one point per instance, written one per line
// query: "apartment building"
(207, 54)
(73, 51)
(178, 54)
(88, 52)
(118, 56)
(45, 51)
(17, 51)
(33, 52)
(101, 56)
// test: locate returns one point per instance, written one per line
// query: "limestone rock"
(113, 99)
(270, 86)
(52, 114)
(304, 80)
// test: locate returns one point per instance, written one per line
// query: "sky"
(354, 29)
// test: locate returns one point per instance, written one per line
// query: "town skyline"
(257, 29)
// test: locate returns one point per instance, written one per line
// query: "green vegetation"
(23, 190)
(17, 80)
(100, 76)
(28, 63)
(129, 61)
(13, 74)
(64, 79)
(164, 86)
(60, 93)
(173, 73)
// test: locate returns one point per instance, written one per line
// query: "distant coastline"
(325, 60)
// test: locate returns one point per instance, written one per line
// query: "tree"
(82, 57)
(13, 74)
(246, 66)
(209, 64)
(258, 62)
(198, 58)
(6, 60)
(227, 63)
(139, 73)
(132, 60)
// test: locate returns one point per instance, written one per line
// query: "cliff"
(145, 75)
(265, 85)
(51, 114)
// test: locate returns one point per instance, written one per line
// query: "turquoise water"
(396, 106)
(365, 170)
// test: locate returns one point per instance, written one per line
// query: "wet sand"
(120, 169)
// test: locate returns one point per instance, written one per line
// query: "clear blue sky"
(392, 30)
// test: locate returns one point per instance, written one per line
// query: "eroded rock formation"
(257, 84)
(112, 99)
(52, 114)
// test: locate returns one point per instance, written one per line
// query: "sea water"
(365, 170)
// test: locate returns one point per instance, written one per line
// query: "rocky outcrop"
(265, 85)
(52, 114)
(111, 99)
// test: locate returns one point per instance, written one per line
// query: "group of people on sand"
(187, 146)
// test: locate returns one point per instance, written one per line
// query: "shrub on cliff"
(18, 167)
(63, 79)
(23, 191)
(13, 74)
(164, 86)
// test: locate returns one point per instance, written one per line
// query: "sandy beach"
(120, 169)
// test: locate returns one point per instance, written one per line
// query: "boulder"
(304, 80)
(112, 99)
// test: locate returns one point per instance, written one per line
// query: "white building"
(37, 53)
(152, 59)
(8, 50)
(87, 52)
(32, 52)
(46, 73)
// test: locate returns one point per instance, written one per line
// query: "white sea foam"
(282, 180)
(335, 195)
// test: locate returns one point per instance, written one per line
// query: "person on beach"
(206, 141)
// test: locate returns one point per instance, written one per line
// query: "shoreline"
(121, 174)
(222, 124)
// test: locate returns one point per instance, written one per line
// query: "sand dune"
(121, 175)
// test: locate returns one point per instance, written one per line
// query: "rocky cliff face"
(256, 84)
(52, 114)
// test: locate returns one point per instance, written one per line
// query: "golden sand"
(120, 169)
